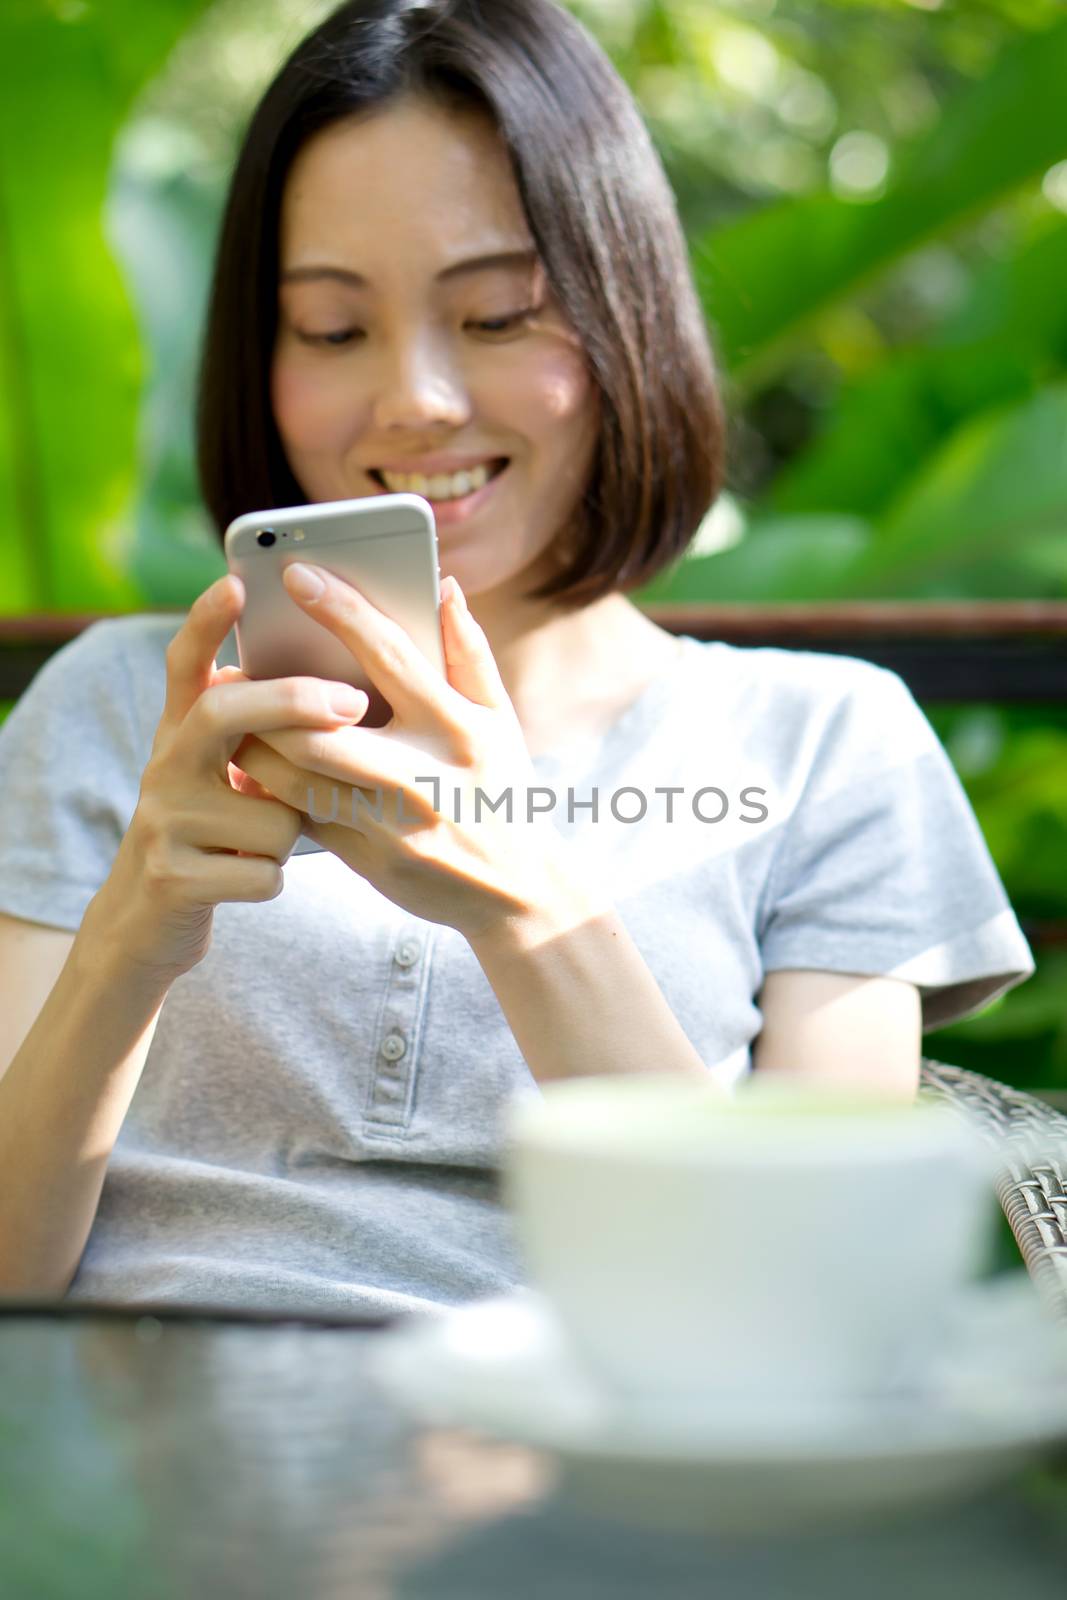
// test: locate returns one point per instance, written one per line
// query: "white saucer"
(992, 1397)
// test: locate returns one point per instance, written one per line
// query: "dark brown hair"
(603, 217)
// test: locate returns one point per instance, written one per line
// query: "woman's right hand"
(200, 833)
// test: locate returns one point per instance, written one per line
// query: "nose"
(418, 387)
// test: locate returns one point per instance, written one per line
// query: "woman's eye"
(503, 324)
(494, 325)
(341, 337)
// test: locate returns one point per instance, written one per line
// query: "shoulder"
(101, 654)
(114, 672)
(133, 645)
(767, 685)
(139, 636)
(802, 719)
(801, 676)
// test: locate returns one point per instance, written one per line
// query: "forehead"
(404, 189)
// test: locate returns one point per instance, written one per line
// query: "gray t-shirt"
(319, 1120)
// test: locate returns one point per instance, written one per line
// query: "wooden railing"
(1012, 650)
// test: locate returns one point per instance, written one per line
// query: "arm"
(840, 1028)
(63, 1100)
(573, 986)
(193, 842)
(575, 990)
(580, 999)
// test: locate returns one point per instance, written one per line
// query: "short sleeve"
(71, 759)
(882, 868)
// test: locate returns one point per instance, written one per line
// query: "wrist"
(108, 949)
(560, 907)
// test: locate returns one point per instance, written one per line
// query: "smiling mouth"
(495, 469)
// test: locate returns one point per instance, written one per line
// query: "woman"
(448, 244)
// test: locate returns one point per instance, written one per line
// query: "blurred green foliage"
(71, 356)
(875, 195)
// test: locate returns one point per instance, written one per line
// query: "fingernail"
(459, 599)
(303, 582)
(348, 702)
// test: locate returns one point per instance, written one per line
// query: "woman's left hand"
(427, 847)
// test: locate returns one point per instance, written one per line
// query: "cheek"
(312, 412)
(565, 390)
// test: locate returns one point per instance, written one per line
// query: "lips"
(496, 467)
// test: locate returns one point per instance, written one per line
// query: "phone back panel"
(384, 545)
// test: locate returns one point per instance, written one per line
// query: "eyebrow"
(505, 258)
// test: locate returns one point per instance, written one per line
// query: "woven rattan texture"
(1030, 1138)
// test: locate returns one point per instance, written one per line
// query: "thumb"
(472, 668)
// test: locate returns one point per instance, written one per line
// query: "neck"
(562, 665)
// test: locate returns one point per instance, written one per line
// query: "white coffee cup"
(778, 1252)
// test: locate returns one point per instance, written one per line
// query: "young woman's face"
(395, 368)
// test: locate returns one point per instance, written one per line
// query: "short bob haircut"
(601, 213)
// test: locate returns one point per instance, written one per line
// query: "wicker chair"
(1031, 1139)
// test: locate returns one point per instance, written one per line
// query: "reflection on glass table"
(177, 1455)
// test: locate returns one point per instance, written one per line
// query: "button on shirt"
(321, 1118)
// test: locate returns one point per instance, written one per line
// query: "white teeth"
(445, 487)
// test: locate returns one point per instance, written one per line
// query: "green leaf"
(763, 278)
(887, 428)
(785, 558)
(1009, 334)
(988, 516)
(72, 364)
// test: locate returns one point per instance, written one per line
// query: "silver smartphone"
(385, 545)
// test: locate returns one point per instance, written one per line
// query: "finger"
(249, 825)
(472, 668)
(244, 783)
(229, 674)
(349, 844)
(386, 651)
(346, 756)
(191, 652)
(226, 712)
(329, 800)
(360, 702)
(248, 785)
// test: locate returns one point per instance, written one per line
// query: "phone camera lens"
(266, 537)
